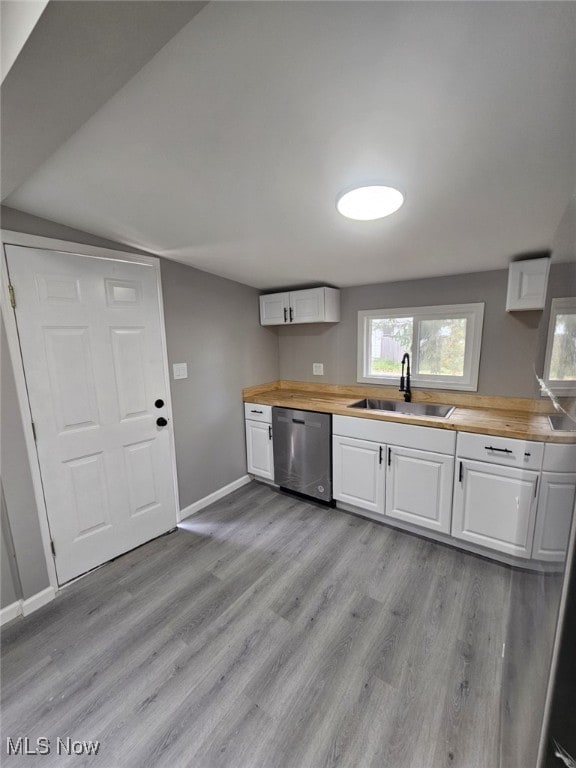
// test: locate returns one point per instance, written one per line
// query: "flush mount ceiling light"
(368, 203)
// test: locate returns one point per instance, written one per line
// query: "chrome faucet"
(405, 380)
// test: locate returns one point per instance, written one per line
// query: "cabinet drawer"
(500, 450)
(395, 433)
(257, 412)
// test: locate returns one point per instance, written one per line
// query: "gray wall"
(213, 325)
(17, 487)
(509, 341)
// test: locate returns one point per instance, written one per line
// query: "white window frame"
(473, 313)
(565, 306)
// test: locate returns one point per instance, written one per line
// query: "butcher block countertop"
(515, 417)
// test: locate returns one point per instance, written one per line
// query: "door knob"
(159, 403)
(161, 421)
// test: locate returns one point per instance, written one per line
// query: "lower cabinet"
(419, 487)
(510, 496)
(259, 449)
(402, 483)
(358, 473)
(495, 506)
(555, 508)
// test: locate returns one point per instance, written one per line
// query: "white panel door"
(91, 338)
(495, 506)
(554, 517)
(274, 308)
(307, 306)
(259, 449)
(358, 472)
(419, 488)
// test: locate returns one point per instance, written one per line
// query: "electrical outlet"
(318, 369)
(180, 370)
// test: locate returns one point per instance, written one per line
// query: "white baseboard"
(32, 604)
(28, 606)
(10, 612)
(191, 509)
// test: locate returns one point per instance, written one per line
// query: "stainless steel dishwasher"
(303, 452)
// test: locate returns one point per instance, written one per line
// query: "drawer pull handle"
(298, 421)
(527, 453)
(256, 411)
(500, 450)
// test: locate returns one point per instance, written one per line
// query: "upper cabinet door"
(307, 306)
(274, 308)
(527, 284)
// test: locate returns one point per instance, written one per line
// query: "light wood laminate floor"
(273, 633)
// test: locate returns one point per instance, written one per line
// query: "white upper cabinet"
(527, 283)
(314, 305)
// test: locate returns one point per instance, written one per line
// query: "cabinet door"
(307, 306)
(495, 507)
(419, 487)
(527, 283)
(274, 308)
(554, 516)
(259, 449)
(358, 473)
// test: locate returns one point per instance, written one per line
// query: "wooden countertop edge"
(480, 419)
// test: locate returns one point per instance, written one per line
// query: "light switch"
(318, 369)
(180, 370)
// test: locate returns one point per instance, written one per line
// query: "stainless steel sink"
(406, 409)
(562, 422)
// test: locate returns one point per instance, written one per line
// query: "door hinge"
(12, 295)
(34, 431)
(53, 548)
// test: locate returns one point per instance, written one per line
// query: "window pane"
(389, 339)
(442, 345)
(563, 360)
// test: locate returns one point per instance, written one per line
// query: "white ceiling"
(227, 150)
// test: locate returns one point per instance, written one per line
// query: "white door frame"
(9, 317)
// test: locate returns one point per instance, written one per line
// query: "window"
(443, 343)
(560, 363)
